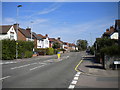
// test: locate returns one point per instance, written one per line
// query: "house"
(24, 34)
(44, 43)
(60, 42)
(52, 41)
(37, 40)
(117, 27)
(7, 32)
(66, 45)
(114, 35)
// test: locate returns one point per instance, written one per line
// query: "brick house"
(23, 34)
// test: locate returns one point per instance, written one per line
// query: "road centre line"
(5, 77)
(36, 67)
(21, 66)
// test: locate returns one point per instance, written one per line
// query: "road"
(42, 72)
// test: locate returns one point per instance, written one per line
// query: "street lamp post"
(31, 29)
(17, 31)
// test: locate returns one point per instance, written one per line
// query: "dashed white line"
(75, 78)
(5, 77)
(7, 62)
(76, 75)
(71, 86)
(21, 66)
(74, 81)
(37, 67)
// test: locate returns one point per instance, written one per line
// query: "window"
(11, 35)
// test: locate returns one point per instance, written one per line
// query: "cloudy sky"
(69, 20)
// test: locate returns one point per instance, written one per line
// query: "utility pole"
(31, 29)
(17, 31)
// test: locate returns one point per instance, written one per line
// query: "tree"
(82, 44)
(56, 45)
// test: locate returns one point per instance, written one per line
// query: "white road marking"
(75, 78)
(73, 82)
(37, 67)
(76, 75)
(5, 77)
(21, 66)
(71, 86)
(7, 62)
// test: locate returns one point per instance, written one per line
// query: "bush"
(113, 50)
(92, 50)
(50, 51)
(28, 54)
(24, 46)
(8, 49)
(41, 51)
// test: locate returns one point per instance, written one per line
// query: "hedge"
(9, 49)
(45, 51)
(113, 50)
(50, 51)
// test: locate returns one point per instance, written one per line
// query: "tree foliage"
(56, 45)
(82, 44)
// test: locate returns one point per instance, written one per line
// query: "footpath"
(95, 76)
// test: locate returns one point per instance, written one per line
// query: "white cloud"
(8, 20)
(47, 10)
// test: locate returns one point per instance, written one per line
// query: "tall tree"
(82, 44)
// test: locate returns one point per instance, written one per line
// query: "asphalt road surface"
(41, 72)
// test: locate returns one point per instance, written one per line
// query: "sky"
(69, 20)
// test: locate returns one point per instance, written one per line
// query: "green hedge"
(9, 49)
(24, 46)
(113, 50)
(45, 51)
(50, 51)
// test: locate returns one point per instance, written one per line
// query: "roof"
(36, 36)
(26, 33)
(43, 37)
(109, 31)
(52, 39)
(5, 28)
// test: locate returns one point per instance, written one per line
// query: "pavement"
(95, 76)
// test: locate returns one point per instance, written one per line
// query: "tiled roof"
(43, 37)
(36, 36)
(52, 39)
(5, 28)
(26, 33)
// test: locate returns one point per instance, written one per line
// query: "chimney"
(28, 29)
(46, 35)
(112, 29)
(59, 38)
(15, 25)
(107, 30)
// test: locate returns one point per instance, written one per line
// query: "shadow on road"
(94, 66)
(92, 59)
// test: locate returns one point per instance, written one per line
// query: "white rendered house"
(7, 32)
(114, 35)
